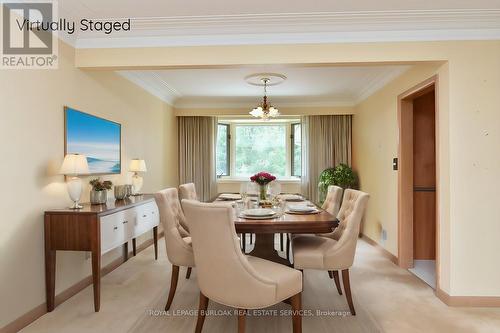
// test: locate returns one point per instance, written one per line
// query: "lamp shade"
(74, 165)
(137, 165)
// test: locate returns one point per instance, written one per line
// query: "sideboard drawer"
(147, 217)
(115, 229)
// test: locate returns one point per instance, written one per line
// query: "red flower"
(262, 178)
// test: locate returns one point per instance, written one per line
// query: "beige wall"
(31, 150)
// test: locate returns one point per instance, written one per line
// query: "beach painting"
(96, 138)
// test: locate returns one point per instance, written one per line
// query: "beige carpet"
(387, 299)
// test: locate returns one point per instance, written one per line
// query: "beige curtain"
(197, 137)
(326, 142)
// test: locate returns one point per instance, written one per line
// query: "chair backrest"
(171, 217)
(350, 216)
(333, 200)
(224, 273)
(188, 191)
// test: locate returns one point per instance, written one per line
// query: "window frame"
(292, 149)
(232, 147)
(228, 148)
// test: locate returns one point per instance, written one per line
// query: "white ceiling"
(217, 22)
(226, 87)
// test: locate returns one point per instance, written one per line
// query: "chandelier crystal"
(265, 110)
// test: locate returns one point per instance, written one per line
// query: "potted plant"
(263, 179)
(342, 175)
(99, 191)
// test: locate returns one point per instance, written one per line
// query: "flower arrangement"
(262, 178)
(98, 185)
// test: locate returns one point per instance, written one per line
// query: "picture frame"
(97, 138)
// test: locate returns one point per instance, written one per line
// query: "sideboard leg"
(155, 241)
(96, 279)
(134, 247)
(50, 268)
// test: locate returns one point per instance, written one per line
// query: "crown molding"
(158, 88)
(323, 27)
(378, 82)
(214, 104)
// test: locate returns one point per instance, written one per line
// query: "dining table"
(286, 223)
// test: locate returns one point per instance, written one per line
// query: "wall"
(31, 150)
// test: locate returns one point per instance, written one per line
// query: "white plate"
(258, 212)
(315, 211)
(301, 208)
(267, 217)
(291, 197)
(229, 196)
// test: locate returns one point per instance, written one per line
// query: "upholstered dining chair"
(227, 276)
(335, 252)
(333, 200)
(188, 191)
(331, 205)
(177, 240)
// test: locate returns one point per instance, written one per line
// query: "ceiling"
(223, 22)
(226, 87)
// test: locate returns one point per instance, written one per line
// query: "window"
(296, 158)
(222, 150)
(246, 147)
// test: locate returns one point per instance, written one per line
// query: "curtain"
(197, 139)
(326, 142)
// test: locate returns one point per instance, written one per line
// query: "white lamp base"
(75, 191)
(137, 182)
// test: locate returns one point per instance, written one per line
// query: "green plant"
(98, 185)
(342, 175)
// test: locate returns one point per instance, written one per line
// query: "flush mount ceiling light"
(265, 110)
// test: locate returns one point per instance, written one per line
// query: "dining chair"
(333, 200)
(331, 205)
(335, 252)
(177, 240)
(227, 276)
(188, 191)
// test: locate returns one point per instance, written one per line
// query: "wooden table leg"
(50, 278)
(134, 247)
(125, 251)
(264, 248)
(155, 241)
(96, 279)
(96, 263)
(50, 268)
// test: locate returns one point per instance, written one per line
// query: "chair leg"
(330, 274)
(347, 289)
(251, 238)
(337, 281)
(296, 302)
(202, 309)
(244, 238)
(282, 245)
(173, 286)
(241, 320)
(188, 273)
(287, 248)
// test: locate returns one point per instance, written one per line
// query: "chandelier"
(265, 110)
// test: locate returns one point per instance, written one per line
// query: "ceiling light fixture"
(265, 110)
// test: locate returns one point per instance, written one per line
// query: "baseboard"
(383, 251)
(63, 296)
(468, 301)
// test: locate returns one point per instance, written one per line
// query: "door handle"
(125, 222)
(424, 189)
(115, 228)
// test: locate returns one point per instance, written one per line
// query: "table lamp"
(73, 166)
(136, 166)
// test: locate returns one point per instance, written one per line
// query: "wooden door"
(424, 177)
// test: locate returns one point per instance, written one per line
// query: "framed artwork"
(96, 138)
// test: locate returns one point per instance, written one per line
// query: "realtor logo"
(27, 40)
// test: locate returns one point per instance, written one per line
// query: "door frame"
(405, 171)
